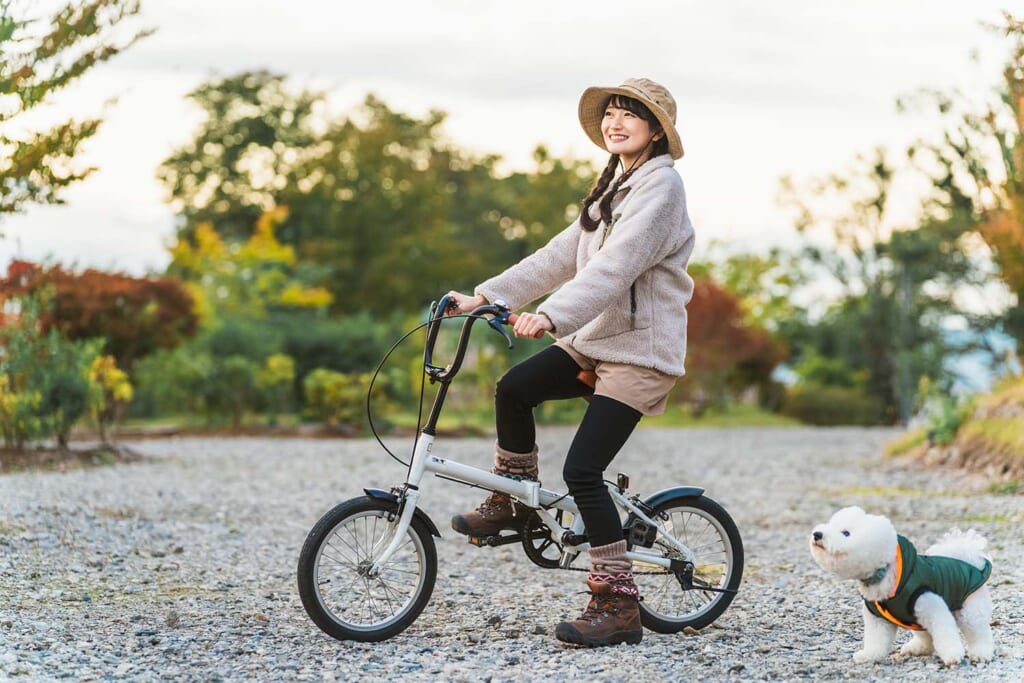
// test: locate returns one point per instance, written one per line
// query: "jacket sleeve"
(538, 273)
(650, 227)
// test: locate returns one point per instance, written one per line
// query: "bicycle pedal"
(494, 541)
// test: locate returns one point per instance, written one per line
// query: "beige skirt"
(642, 389)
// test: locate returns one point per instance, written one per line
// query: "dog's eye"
(845, 532)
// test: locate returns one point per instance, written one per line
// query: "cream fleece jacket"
(623, 301)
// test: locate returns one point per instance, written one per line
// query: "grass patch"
(906, 442)
(1007, 487)
(8, 529)
(1007, 435)
(481, 420)
(1010, 391)
(732, 416)
(894, 492)
(985, 519)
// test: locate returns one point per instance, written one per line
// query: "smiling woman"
(619, 315)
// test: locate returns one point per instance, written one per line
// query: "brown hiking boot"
(494, 514)
(609, 619)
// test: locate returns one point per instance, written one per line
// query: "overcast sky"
(764, 89)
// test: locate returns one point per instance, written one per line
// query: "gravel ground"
(182, 567)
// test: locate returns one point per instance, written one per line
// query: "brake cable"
(423, 382)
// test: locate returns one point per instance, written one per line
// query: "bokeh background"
(221, 215)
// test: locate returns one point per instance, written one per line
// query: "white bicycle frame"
(528, 493)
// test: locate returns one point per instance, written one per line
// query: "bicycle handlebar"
(500, 316)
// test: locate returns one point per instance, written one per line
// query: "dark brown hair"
(660, 146)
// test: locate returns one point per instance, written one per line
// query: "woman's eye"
(845, 532)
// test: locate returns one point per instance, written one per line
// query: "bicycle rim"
(716, 559)
(354, 600)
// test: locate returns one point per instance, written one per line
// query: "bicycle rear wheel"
(703, 526)
(334, 584)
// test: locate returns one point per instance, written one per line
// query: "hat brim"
(592, 106)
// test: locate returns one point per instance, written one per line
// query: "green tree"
(44, 379)
(895, 287)
(251, 278)
(977, 170)
(382, 209)
(255, 135)
(38, 58)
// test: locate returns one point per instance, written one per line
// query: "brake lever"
(497, 324)
(499, 321)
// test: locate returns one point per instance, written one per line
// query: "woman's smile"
(625, 134)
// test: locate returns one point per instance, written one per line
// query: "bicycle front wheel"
(334, 582)
(703, 526)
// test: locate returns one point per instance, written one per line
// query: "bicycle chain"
(581, 569)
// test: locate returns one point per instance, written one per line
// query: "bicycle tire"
(336, 593)
(706, 528)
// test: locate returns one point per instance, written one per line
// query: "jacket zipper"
(632, 287)
(632, 306)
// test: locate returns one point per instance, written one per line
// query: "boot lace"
(495, 504)
(600, 605)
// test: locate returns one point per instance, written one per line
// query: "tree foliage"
(135, 316)
(44, 381)
(249, 278)
(895, 287)
(382, 208)
(722, 345)
(977, 169)
(38, 58)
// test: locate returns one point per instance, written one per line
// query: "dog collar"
(876, 577)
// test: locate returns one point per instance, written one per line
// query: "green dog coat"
(954, 580)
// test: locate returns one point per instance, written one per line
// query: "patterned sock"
(609, 564)
(516, 465)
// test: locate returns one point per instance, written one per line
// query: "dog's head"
(853, 544)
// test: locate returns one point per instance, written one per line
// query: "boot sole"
(461, 527)
(568, 634)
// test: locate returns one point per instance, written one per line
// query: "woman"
(620, 314)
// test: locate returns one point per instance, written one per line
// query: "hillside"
(990, 440)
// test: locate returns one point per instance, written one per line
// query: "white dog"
(938, 594)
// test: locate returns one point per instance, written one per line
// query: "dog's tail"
(969, 546)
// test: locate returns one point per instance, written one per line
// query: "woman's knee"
(513, 387)
(580, 477)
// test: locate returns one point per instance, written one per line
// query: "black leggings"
(552, 374)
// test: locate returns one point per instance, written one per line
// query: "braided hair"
(601, 190)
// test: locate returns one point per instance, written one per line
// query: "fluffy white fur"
(854, 545)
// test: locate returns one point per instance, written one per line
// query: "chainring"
(537, 543)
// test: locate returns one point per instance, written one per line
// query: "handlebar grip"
(512, 318)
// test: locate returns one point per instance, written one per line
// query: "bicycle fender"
(674, 492)
(418, 514)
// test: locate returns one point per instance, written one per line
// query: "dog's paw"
(980, 654)
(952, 657)
(866, 657)
(916, 648)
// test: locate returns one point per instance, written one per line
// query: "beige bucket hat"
(657, 98)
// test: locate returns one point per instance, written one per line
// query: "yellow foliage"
(243, 277)
(306, 297)
(111, 379)
(278, 370)
(263, 246)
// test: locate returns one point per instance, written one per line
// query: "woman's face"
(625, 133)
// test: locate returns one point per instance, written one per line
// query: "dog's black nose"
(816, 535)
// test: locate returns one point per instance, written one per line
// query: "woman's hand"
(465, 303)
(532, 325)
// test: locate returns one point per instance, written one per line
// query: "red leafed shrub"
(135, 316)
(721, 348)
